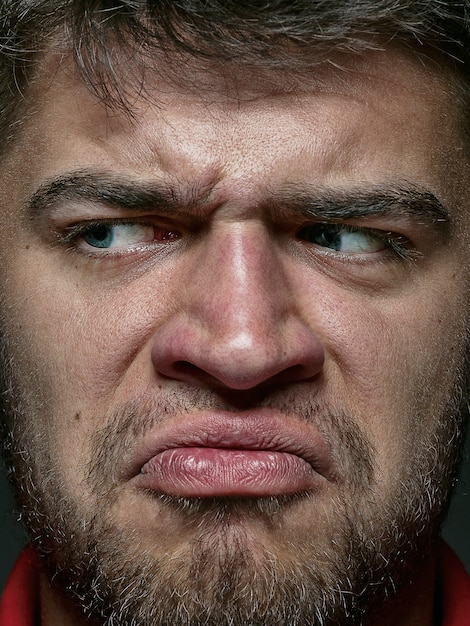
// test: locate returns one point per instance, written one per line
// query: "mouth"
(222, 454)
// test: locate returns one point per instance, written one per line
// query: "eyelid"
(71, 231)
(74, 231)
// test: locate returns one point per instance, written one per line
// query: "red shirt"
(19, 605)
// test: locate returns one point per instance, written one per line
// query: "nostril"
(185, 367)
(183, 370)
(296, 373)
(189, 372)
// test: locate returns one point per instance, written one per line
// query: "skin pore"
(235, 324)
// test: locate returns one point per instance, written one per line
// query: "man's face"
(236, 323)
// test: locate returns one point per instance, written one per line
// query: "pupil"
(330, 238)
(99, 236)
(325, 235)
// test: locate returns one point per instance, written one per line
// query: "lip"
(215, 454)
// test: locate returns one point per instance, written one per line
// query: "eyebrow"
(402, 200)
(109, 190)
(405, 201)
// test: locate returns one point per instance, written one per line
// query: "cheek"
(80, 349)
(57, 340)
(81, 335)
(395, 365)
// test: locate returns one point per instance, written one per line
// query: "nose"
(237, 322)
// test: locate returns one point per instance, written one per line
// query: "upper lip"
(260, 429)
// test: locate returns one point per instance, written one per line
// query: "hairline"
(121, 101)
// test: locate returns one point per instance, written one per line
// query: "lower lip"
(210, 472)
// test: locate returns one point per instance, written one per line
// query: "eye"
(118, 236)
(345, 238)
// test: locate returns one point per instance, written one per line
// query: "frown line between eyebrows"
(405, 203)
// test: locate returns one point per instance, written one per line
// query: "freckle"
(78, 416)
(27, 246)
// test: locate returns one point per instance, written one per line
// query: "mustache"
(112, 444)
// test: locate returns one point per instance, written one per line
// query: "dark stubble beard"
(373, 548)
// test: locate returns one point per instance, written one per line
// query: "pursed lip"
(222, 453)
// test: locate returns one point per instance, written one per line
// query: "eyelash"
(394, 243)
(72, 234)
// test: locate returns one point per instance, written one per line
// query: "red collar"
(455, 589)
(19, 605)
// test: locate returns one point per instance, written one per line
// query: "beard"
(341, 562)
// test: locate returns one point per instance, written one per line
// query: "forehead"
(381, 117)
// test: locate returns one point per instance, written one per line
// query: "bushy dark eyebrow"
(108, 190)
(405, 202)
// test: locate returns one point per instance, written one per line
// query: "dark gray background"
(456, 531)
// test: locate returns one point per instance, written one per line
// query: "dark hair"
(276, 33)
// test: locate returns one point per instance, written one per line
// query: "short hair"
(260, 33)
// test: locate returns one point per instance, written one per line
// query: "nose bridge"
(240, 274)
